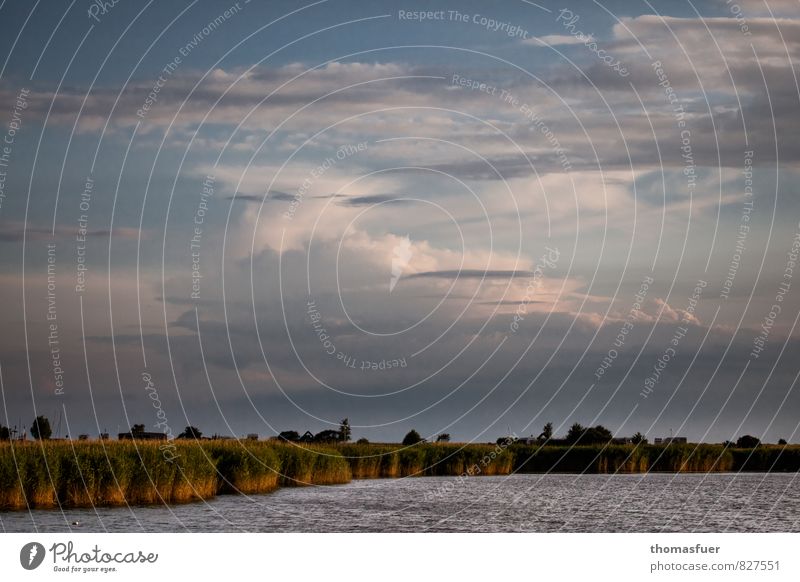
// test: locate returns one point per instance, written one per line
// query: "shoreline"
(70, 474)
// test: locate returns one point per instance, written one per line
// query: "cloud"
(786, 8)
(372, 199)
(558, 39)
(272, 195)
(472, 274)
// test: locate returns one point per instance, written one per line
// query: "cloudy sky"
(462, 217)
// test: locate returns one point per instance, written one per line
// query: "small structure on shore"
(138, 433)
(669, 440)
(622, 441)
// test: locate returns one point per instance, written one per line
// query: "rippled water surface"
(536, 503)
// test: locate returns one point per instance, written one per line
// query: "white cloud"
(558, 39)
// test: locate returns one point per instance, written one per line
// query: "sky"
(460, 217)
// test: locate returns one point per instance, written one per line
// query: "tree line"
(577, 434)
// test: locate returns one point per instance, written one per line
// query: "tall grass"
(579, 459)
(83, 474)
(674, 458)
(426, 459)
(690, 458)
(773, 458)
(244, 467)
(311, 465)
(70, 474)
(80, 474)
(372, 461)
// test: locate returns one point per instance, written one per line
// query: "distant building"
(83, 437)
(621, 441)
(103, 436)
(669, 440)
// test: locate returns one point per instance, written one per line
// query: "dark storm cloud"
(372, 199)
(273, 195)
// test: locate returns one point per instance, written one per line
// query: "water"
(535, 503)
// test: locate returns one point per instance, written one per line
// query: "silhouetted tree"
(190, 432)
(547, 432)
(747, 442)
(412, 438)
(362, 441)
(588, 436)
(344, 430)
(40, 429)
(326, 436)
(596, 434)
(639, 439)
(443, 438)
(574, 433)
(5, 434)
(780, 441)
(289, 435)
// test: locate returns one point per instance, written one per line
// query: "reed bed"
(674, 458)
(772, 458)
(579, 459)
(426, 459)
(81, 474)
(70, 474)
(689, 458)
(311, 465)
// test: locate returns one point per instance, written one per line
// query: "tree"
(137, 429)
(289, 435)
(443, 438)
(547, 432)
(40, 429)
(588, 436)
(575, 432)
(747, 442)
(327, 436)
(597, 434)
(5, 434)
(639, 439)
(190, 432)
(412, 438)
(780, 441)
(362, 441)
(344, 430)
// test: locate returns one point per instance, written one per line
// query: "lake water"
(533, 503)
